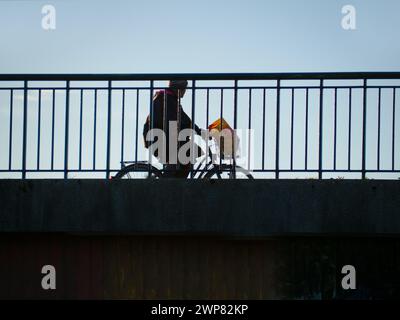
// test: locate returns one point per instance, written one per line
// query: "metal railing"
(313, 125)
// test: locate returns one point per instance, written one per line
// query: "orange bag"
(219, 124)
(228, 141)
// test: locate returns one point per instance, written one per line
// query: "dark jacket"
(172, 101)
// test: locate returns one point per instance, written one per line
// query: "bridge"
(323, 148)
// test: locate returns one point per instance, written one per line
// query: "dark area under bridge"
(187, 239)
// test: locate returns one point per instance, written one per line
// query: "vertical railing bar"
(321, 101)
(53, 111)
(165, 112)
(165, 123)
(207, 119)
(306, 134)
(178, 117)
(278, 102)
(335, 132)
(292, 131)
(80, 129)
(263, 134)
(222, 110)
(349, 137)
(109, 98)
(378, 153)
(193, 126)
(123, 126)
(11, 129)
(25, 129)
(207, 107)
(393, 126)
(137, 125)
(39, 128)
(364, 137)
(249, 142)
(94, 127)
(235, 100)
(66, 129)
(151, 124)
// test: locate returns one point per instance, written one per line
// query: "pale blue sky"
(179, 36)
(123, 36)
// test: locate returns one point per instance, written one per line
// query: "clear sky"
(177, 36)
(122, 36)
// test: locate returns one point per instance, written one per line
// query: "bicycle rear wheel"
(138, 171)
(225, 171)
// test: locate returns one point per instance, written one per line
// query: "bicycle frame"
(196, 167)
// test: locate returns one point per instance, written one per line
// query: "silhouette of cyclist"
(171, 98)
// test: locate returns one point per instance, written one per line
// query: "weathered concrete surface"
(237, 208)
(187, 267)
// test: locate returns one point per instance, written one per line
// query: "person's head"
(179, 86)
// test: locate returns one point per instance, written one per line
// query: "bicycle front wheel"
(225, 171)
(138, 171)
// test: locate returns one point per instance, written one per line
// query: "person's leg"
(180, 170)
(183, 170)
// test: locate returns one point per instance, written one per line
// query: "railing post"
(249, 135)
(137, 124)
(108, 129)
(234, 127)
(278, 103)
(123, 126)
(235, 105)
(306, 134)
(151, 125)
(80, 129)
(193, 126)
(94, 127)
(25, 129)
(349, 134)
(53, 112)
(11, 130)
(39, 115)
(321, 110)
(66, 130)
(393, 126)
(364, 138)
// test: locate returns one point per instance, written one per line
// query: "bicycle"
(212, 169)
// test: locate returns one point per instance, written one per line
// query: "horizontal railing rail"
(200, 76)
(292, 125)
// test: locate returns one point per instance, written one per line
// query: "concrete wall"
(263, 239)
(236, 208)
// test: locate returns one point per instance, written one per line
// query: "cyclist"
(176, 90)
